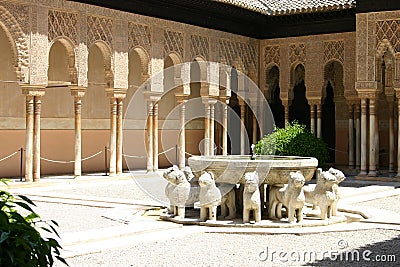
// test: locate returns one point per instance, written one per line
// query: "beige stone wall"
(61, 43)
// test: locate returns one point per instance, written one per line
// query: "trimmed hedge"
(294, 140)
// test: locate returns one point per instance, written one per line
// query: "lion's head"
(174, 175)
(206, 179)
(296, 179)
(338, 174)
(251, 181)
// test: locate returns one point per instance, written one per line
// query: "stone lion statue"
(323, 195)
(177, 190)
(291, 196)
(251, 197)
(340, 177)
(228, 201)
(210, 197)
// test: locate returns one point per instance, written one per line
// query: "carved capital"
(33, 90)
(77, 91)
(118, 93)
(181, 98)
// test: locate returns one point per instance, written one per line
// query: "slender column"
(358, 135)
(351, 136)
(149, 136)
(363, 136)
(155, 137)
(207, 129)
(29, 138)
(376, 138)
(391, 135)
(212, 133)
(286, 115)
(312, 119)
(225, 128)
(113, 135)
(36, 139)
(254, 129)
(242, 129)
(319, 121)
(398, 136)
(78, 93)
(119, 135)
(182, 148)
(78, 137)
(372, 133)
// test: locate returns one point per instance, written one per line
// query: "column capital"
(33, 90)
(208, 100)
(314, 101)
(152, 96)
(77, 91)
(119, 93)
(368, 94)
(181, 98)
(397, 92)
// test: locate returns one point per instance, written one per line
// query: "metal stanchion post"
(21, 163)
(105, 161)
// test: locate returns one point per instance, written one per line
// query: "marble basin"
(271, 169)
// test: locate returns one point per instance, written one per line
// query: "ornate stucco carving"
(199, 46)
(139, 36)
(272, 55)
(63, 24)
(334, 50)
(173, 43)
(99, 28)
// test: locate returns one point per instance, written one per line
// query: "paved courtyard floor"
(111, 221)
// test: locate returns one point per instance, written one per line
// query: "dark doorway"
(328, 122)
(234, 117)
(300, 110)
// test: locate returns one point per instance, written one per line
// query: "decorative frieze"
(62, 24)
(243, 55)
(389, 30)
(139, 35)
(99, 29)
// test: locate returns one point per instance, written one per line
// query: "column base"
(362, 173)
(372, 173)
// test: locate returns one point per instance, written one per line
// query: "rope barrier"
(344, 152)
(132, 156)
(165, 151)
(9, 156)
(71, 161)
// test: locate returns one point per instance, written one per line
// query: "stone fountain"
(218, 177)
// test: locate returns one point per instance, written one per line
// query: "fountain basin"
(271, 169)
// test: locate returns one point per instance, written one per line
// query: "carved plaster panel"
(63, 24)
(99, 29)
(334, 50)
(272, 55)
(139, 35)
(173, 42)
(389, 30)
(199, 46)
(243, 56)
(297, 53)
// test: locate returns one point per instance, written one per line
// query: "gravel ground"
(388, 203)
(213, 249)
(72, 218)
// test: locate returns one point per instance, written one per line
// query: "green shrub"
(294, 140)
(21, 244)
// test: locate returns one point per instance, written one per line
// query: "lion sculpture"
(177, 190)
(210, 197)
(323, 195)
(339, 178)
(251, 197)
(291, 196)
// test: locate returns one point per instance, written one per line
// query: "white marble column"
(119, 156)
(207, 110)
(225, 128)
(312, 119)
(212, 131)
(351, 136)
(113, 136)
(358, 134)
(319, 121)
(29, 138)
(78, 93)
(372, 143)
(242, 129)
(286, 114)
(155, 137)
(363, 136)
(36, 139)
(391, 135)
(398, 135)
(150, 136)
(182, 142)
